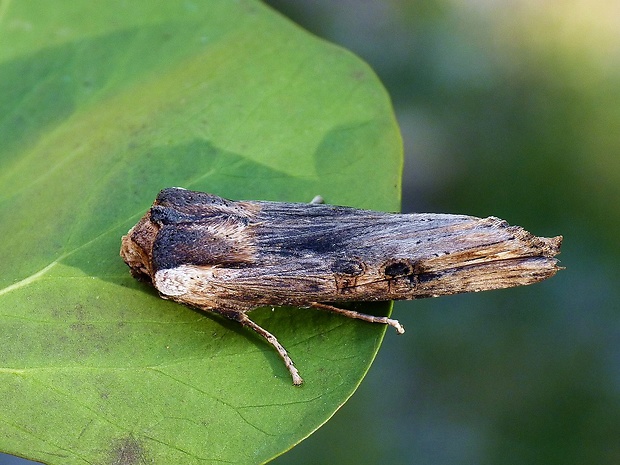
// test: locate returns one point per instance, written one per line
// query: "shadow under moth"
(230, 257)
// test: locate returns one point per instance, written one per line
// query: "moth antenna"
(271, 339)
(361, 316)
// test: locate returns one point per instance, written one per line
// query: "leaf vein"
(29, 279)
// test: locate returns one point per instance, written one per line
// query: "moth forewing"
(230, 257)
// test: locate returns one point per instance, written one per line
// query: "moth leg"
(242, 318)
(361, 316)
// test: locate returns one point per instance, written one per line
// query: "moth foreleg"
(242, 318)
(361, 316)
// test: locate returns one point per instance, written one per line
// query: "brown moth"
(230, 257)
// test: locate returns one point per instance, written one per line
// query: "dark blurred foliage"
(507, 108)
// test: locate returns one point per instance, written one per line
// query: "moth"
(229, 257)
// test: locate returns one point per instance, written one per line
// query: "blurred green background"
(511, 109)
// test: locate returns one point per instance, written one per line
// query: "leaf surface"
(104, 103)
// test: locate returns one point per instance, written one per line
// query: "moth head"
(137, 248)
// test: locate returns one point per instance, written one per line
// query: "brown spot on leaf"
(128, 451)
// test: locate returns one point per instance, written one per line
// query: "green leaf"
(102, 104)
